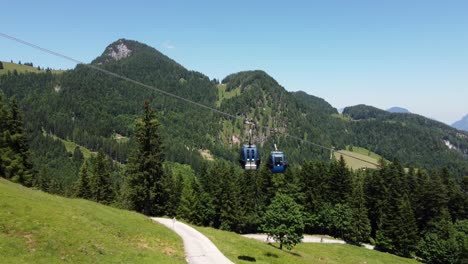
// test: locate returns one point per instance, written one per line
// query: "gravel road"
(306, 239)
(198, 248)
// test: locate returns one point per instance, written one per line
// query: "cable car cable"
(168, 93)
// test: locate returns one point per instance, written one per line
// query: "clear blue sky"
(383, 53)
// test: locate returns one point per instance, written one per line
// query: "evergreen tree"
(78, 157)
(82, 186)
(314, 187)
(456, 201)
(143, 189)
(15, 161)
(204, 209)
(445, 242)
(432, 202)
(173, 186)
(376, 193)
(283, 221)
(398, 230)
(230, 211)
(407, 237)
(189, 203)
(360, 225)
(42, 181)
(54, 187)
(3, 129)
(340, 183)
(100, 180)
(1, 65)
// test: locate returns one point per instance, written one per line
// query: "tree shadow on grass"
(287, 251)
(247, 258)
(271, 255)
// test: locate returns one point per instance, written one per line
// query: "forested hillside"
(416, 140)
(97, 111)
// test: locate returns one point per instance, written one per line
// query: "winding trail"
(198, 248)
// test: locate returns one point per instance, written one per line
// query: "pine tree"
(314, 181)
(1, 65)
(100, 180)
(143, 190)
(432, 201)
(3, 129)
(82, 186)
(407, 237)
(360, 225)
(456, 203)
(340, 183)
(173, 186)
(314, 186)
(15, 157)
(376, 191)
(204, 210)
(230, 210)
(445, 242)
(78, 157)
(189, 203)
(398, 230)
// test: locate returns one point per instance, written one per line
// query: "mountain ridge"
(462, 124)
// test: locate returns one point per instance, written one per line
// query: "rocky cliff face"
(119, 51)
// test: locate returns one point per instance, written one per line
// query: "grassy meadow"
(20, 68)
(245, 250)
(36, 227)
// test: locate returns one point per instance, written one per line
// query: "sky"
(412, 54)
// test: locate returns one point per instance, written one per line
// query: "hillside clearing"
(358, 158)
(10, 67)
(70, 145)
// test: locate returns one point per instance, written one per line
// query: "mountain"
(93, 109)
(461, 124)
(397, 109)
(417, 140)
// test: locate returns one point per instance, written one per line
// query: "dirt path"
(306, 239)
(198, 248)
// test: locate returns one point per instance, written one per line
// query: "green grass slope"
(245, 250)
(36, 227)
(10, 67)
(358, 158)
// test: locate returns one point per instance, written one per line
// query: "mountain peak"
(462, 124)
(397, 109)
(246, 79)
(120, 49)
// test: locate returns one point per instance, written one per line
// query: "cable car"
(249, 154)
(277, 162)
(250, 157)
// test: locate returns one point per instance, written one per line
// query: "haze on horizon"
(409, 54)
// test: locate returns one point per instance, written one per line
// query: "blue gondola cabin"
(277, 162)
(249, 157)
